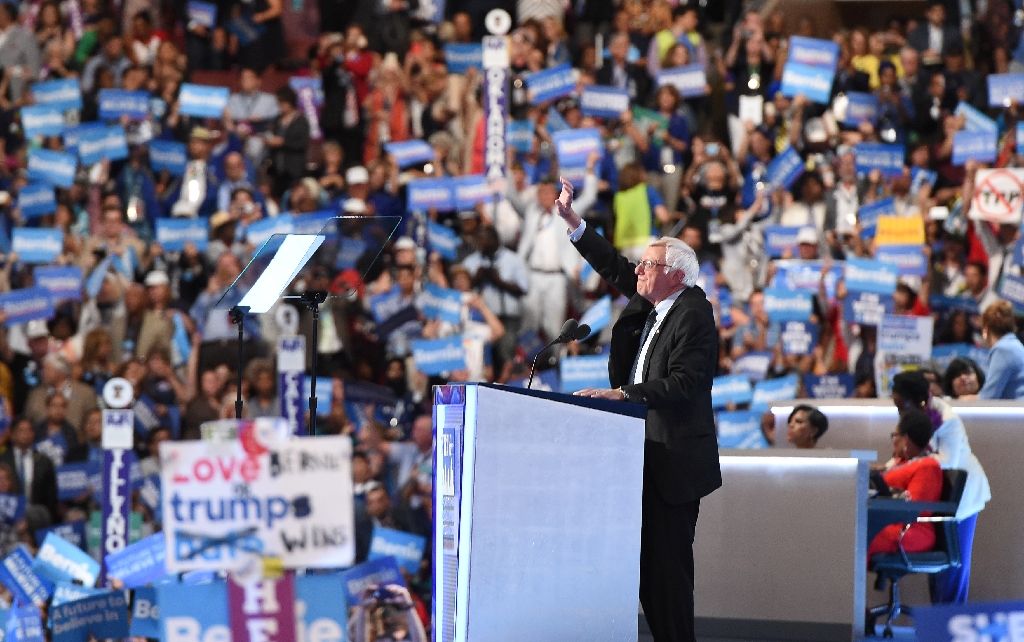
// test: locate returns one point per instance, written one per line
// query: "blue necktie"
(651, 319)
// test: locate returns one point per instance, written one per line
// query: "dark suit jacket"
(44, 480)
(639, 83)
(681, 453)
(918, 38)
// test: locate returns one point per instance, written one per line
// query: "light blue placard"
(471, 190)
(690, 80)
(174, 233)
(813, 52)
(441, 303)
(199, 610)
(358, 579)
(436, 356)
(1005, 89)
(888, 159)
(919, 177)
(324, 393)
(313, 83)
(944, 353)
(813, 82)
(1011, 288)
(577, 373)
(17, 575)
(26, 304)
(73, 532)
(65, 93)
(785, 169)
(37, 244)
(443, 240)
(787, 305)
(976, 120)
(860, 108)
(867, 215)
(406, 548)
(604, 102)
(520, 135)
(778, 239)
(54, 168)
(730, 389)
(384, 305)
(834, 386)
(555, 122)
(202, 13)
(72, 135)
(753, 365)
(598, 315)
(549, 84)
(795, 274)
(202, 101)
(322, 607)
(739, 429)
(42, 120)
(798, 337)
(546, 381)
(908, 260)
(459, 57)
(573, 146)
(258, 232)
(140, 563)
(430, 194)
(96, 144)
(115, 103)
(145, 614)
(167, 155)
(866, 275)
(410, 152)
(974, 622)
(866, 308)
(1019, 141)
(64, 592)
(977, 146)
(771, 390)
(35, 200)
(24, 624)
(59, 560)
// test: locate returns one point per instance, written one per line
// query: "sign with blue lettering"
(771, 390)
(140, 563)
(814, 52)
(26, 304)
(780, 240)
(520, 135)
(24, 624)
(101, 616)
(865, 275)
(906, 335)
(17, 575)
(604, 102)
(59, 560)
(860, 108)
(55, 168)
(1011, 288)
(833, 386)
(410, 152)
(42, 120)
(785, 169)
(442, 304)
(975, 120)
(173, 234)
(739, 429)
(35, 200)
(813, 82)
(443, 240)
(730, 389)
(145, 614)
(550, 84)
(470, 191)
(167, 155)
(12, 507)
(99, 143)
(577, 373)
(690, 80)
(193, 611)
(361, 579)
(888, 159)
(907, 260)
(75, 480)
(972, 622)
(866, 308)
(202, 101)
(430, 194)
(794, 274)
(1005, 89)
(798, 337)
(36, 244)
(437, 356)
(65, 93)
(598, 315)
(115, 103)
(977, 146)
(406, 548)
(459, 57)
(867, 215)
(752, 364)
(573, 146)
(202, 13)
(73, 532)
(787, 305)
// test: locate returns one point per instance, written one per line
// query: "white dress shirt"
(26, 468)
(661, 311)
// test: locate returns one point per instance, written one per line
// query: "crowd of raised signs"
(852, 198)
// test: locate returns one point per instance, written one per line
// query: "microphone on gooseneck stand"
(568, 333)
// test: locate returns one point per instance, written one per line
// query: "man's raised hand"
(564, 204)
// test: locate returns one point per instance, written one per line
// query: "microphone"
(582, 332)
(570, 332)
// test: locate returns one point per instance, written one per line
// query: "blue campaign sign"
(814, 52)
(787, 305)
(436, 356)
(55, 168)
(942, 303)
(972, 622)
(780, 239)
(149, 493)
(866, 308)
(74, 480)
(470, 191)
(520, 135)
(174, 233)
(12, 507)
(798, 337)
(63, 282)
(115, 103)
(26, 304)
(312, 83)
(410, 152)
(202, 13)
(443, 240)
(99, 616)
(35, 200)
(976, 120)
(459, 57)
(577, 373)
(321, 609)
(202, 101)
(99, 143)
(324, 393)
(573, 146)
(867, 215)
(37, 244)
(17, 575)
(1011, 288)
(369, 575)
(604, 102)
(919, 177)
(139, 563)
(771, 390)
(24, 624)
(60, 560)
(386, 304)
(65, 94)
(739, 429)
(836, 386)
(690, 80)
(888, 159)
(441, 303)
(259, 232)
(944, 353)
(1005, 89)
(64, 592)
(546, 381)
(784, 169)
(907, 260)
(555, 123)
(54, 447)
(430, 194)
(549, 84)
(193, 611)
(730, 389)
(167, 155)
(406, 548)
(1019, 139)
(598, 315)
(73, 532)
(753, 364)
(42, 120)
(977, 146)
(813, 82)
(145, 614)
(865, 275)
(860, 108)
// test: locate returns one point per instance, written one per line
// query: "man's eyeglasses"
(648, 264)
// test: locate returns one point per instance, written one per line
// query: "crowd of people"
(309, 133)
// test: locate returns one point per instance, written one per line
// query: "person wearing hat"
(157, 321)
(26, 367)
(807, 242)
(222, 236)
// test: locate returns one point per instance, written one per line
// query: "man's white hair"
(680, 256)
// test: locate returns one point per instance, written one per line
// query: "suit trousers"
(666, 566)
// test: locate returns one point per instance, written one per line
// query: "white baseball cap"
(357, 175)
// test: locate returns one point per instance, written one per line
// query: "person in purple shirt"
(1005, 376)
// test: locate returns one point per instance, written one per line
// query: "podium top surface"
(455, 393)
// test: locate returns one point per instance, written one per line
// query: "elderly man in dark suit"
(664, 351)
(34, 472)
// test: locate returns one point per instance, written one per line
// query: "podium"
(537, 504)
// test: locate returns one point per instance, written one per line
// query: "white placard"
(752, 109)
(118, 429)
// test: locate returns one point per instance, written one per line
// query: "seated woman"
(918, 476)
(805, 426)
(963, 377)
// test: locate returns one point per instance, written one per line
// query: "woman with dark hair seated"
(918, 476)
(962, 377)
(805, 426)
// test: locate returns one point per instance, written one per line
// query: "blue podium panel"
(548, 525)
